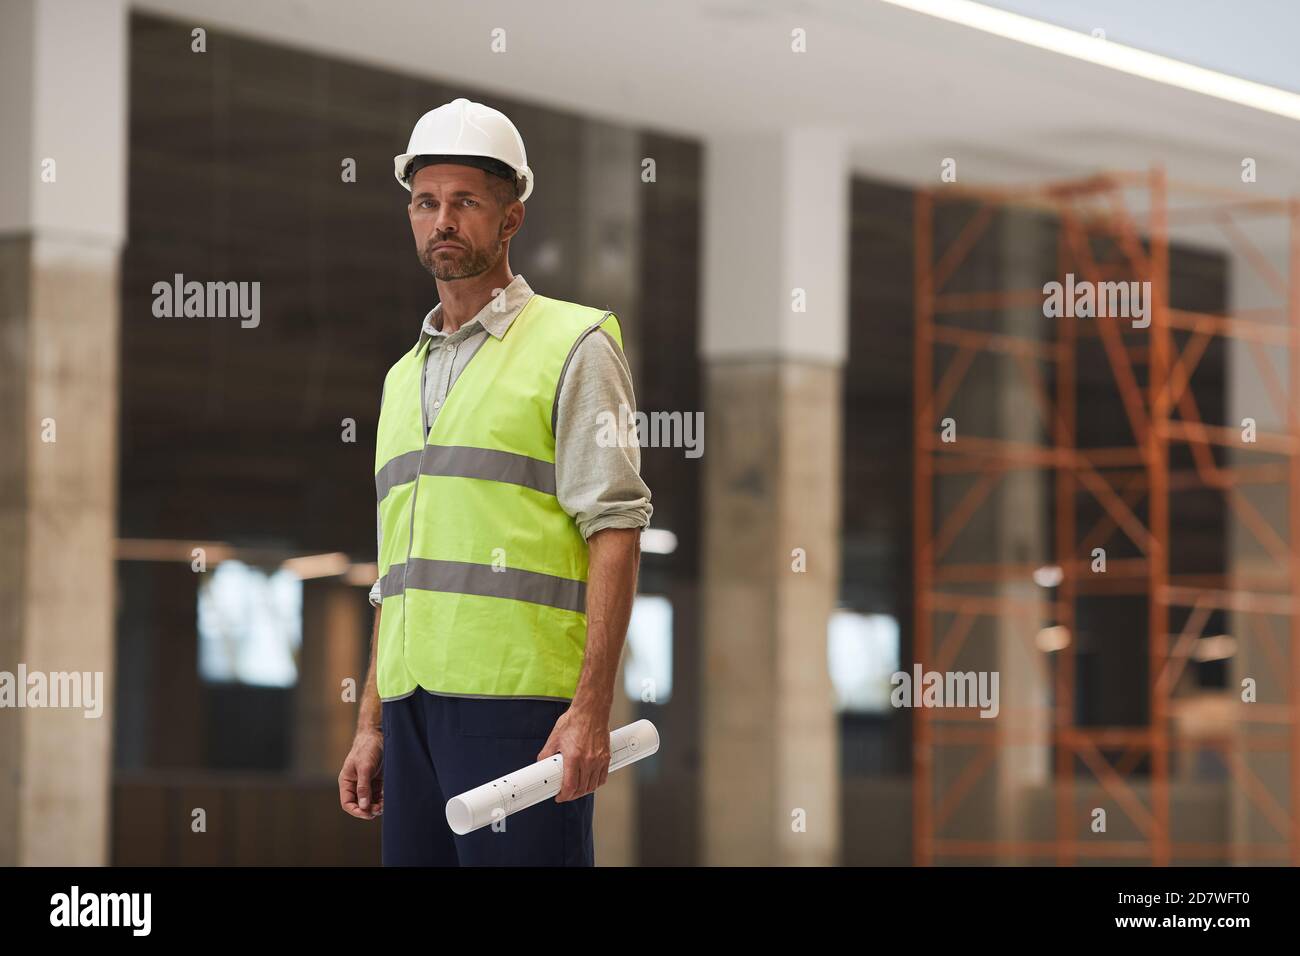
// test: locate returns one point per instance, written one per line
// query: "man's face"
(459, 220)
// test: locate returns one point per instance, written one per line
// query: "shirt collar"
(496, 320)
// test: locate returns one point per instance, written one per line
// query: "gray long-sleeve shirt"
(597, 483)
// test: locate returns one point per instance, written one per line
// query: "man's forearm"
(371, 708)
(614, 559)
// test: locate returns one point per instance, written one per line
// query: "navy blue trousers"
(436, 747)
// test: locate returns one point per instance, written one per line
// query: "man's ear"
(520, 224)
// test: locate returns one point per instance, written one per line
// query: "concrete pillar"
(1028, 259)
(609, 262)
(774, 336)
(62, 216)
(1009, 528)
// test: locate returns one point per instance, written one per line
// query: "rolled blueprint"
(530, 785)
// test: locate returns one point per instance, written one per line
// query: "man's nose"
(445, 225)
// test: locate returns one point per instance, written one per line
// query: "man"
(508, 534)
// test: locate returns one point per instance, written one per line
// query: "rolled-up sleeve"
(597, 458)
(375, 598)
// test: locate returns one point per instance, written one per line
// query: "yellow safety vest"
(482, 573)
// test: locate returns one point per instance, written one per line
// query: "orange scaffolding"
(1130, 214)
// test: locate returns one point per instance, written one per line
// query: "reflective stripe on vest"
(465, 578)
(482, 573)
(467, 463)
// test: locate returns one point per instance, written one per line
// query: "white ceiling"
(1247, 38)
(908, 89)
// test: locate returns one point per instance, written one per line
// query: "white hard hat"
(471, 130)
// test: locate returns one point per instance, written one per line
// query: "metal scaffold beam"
(1130, 486)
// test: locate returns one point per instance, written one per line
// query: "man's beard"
(462, 263)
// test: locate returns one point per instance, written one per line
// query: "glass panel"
(250, 626)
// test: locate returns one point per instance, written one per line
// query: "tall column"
(996, 399)
(62, 218)
(774, 336)
(1020, 506)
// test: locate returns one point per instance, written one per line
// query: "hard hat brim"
(403, 160)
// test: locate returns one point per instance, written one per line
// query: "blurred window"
(862, 653)
(648, 670)
(250, 626)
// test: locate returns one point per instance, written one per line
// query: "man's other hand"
(361, 781)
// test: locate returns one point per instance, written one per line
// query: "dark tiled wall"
(671, 381)
(877, 466)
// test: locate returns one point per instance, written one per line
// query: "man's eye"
(471, 202)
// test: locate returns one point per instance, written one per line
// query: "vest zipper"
(415, 493)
